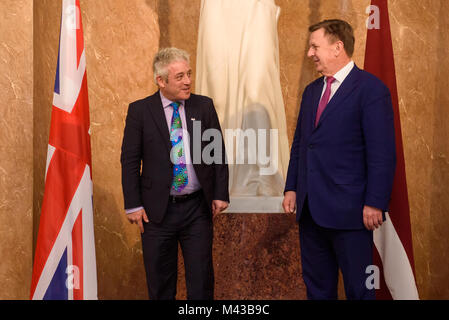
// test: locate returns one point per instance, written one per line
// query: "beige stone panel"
(415, 45)
(121, 38)
(46, 21)
(16, 147)
(178, 23)
(439, 201)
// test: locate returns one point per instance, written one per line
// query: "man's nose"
(310, 53)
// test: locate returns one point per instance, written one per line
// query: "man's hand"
(136, 217)
(289, 202)
(218, 206)
(372, 217)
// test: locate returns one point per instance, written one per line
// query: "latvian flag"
(393, 252)
(64, 263)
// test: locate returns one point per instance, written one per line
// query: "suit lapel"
(191, 112)
(158, 114)
(348, 85)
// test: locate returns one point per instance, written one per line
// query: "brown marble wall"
(46, 20)
(436, 234)
(256, 256)
(120, 49)
(16, 147)
(419, 29)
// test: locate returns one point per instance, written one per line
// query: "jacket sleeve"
(131, 158)
(379, 135)
(221, 188)
(292, 172)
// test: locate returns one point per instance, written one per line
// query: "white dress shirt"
(340, 76)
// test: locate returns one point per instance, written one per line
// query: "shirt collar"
(166, 102)
(341, 75)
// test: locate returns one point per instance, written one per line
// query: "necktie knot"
(175, 105)
(330, 80)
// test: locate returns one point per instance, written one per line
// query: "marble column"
(16, 148)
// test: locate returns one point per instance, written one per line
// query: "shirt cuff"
(128, 211)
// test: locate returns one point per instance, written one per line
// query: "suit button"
(311, 146)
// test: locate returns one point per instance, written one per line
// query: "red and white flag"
(64, 264)
(393, 251)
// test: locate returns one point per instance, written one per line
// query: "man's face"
(177, 87)
(322, 52)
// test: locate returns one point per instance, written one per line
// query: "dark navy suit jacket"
(348, 160)
(147, 171)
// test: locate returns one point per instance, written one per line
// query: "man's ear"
(160, 81)
(339, 48)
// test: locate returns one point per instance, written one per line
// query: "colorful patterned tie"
(180, 179)
(324, 100)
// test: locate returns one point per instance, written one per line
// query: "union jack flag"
(64, 264)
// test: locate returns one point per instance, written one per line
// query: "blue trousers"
(324, 251)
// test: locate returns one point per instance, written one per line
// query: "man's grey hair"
(164, 57)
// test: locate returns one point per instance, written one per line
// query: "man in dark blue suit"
(170, 197)
(342, 165)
